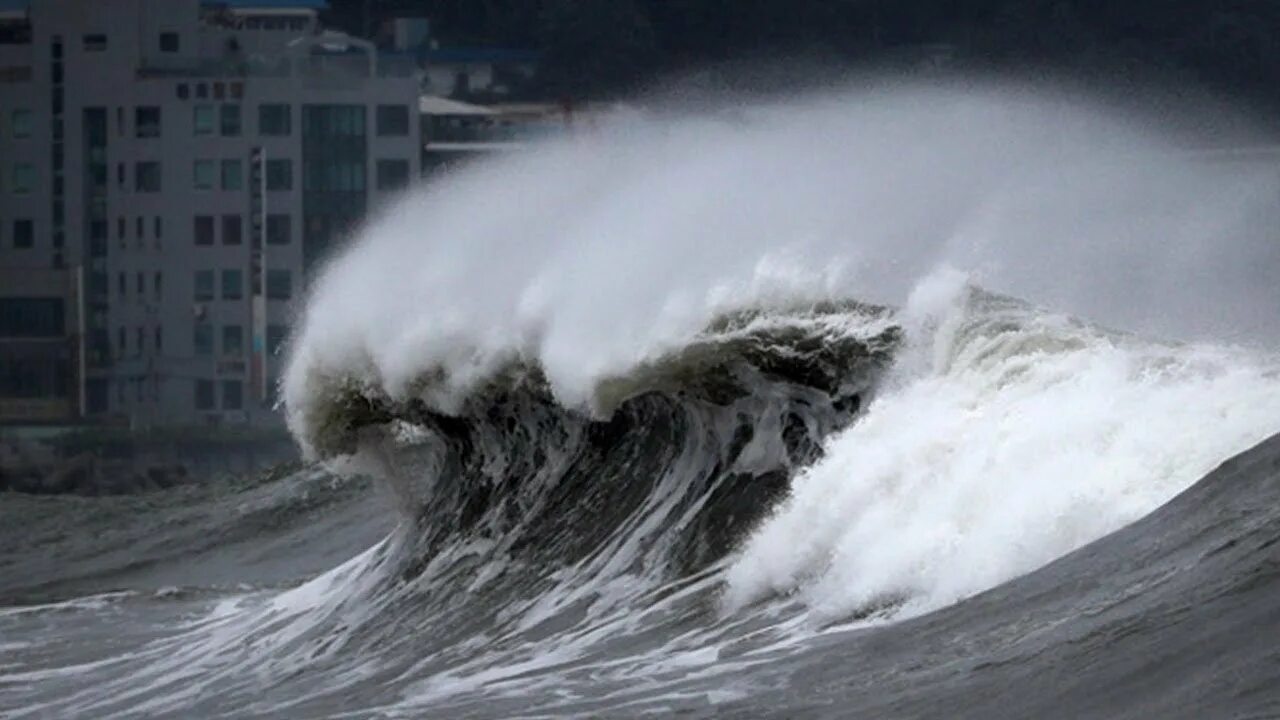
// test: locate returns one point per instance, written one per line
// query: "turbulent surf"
(748, 415)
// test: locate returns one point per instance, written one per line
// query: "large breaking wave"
(666, 407)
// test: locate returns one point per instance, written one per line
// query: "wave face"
(787, 412)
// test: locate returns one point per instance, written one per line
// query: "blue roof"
(304, 4)
(312, 4)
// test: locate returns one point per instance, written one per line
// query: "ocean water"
(913, 402)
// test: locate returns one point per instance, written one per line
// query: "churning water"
(785, 410)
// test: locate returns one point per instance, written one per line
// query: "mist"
(590, 254)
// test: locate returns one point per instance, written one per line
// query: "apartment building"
(192, 163)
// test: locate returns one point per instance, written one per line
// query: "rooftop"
(299, 4)
(436, 105)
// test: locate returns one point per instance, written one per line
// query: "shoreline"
(102, 460)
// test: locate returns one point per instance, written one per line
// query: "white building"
(191, 162)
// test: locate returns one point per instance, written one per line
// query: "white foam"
(593, 254)
(1008, 440)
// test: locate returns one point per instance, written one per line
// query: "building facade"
(193, 163)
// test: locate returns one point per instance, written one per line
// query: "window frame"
(28, 232)
(207, 292)
(232, 285)
(208, 128)
(20, 129)
(23, 178)
(196, 223)
(275, 119)
(231, 175)
(235, 237)
(271, 231)
(147, 130)
(206, 180)
(229, 331)
(287, 164)
(140, 178)
(230, 120)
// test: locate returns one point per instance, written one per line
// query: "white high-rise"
(170, 172)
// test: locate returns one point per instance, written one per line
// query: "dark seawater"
(517, 558)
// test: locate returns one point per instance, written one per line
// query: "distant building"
(190, 162)
(40, 361)
(464, 73)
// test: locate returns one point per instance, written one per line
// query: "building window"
(279, 229)
(122, 284)
(232, 228)
(95, 42)
(279, 285)
(24, 178)
(331, 120)
(232, 340)
(393, 174)
(184, 91)
(393, 120)
(232, 395)
(203, 339)
(276, 335)
(157, 227)
(219, 90)
(274, 120)
(202, 175)
(202, 119)
(202, 90)
(20, 123)
(140, 345)
(24, 234)
(230, 120)
(141, 285)
(157, 284)
(204, 229)
(237, 89)
(232, 175)
(146, 177)
(169, 42)
(32, 317)
(232, 285)
(120, 230)
(140, 227)
(122, 346)
(146, 122)
(204, 285)
(280, 174)
(159, 340)
(204, 394)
